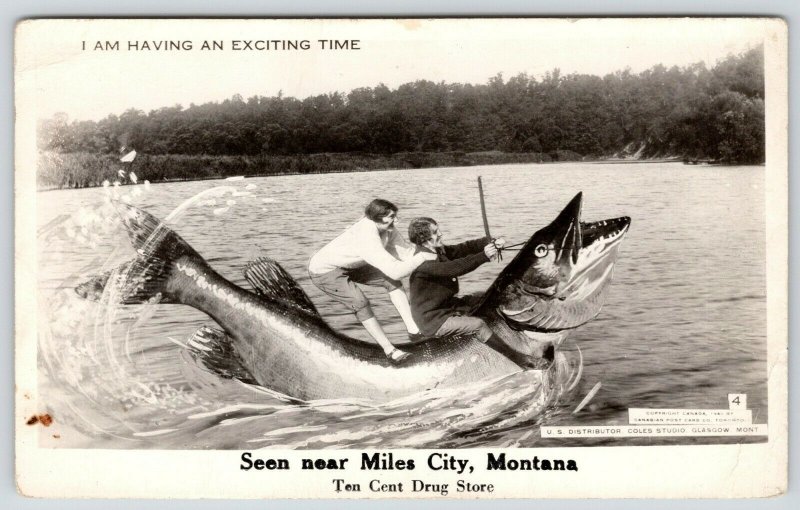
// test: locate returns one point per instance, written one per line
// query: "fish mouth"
(569, 265)
(598, 251)
(579, 245)
(606, 233)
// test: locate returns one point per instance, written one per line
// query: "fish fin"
(213, 350)
(144, 279)
(270, 280)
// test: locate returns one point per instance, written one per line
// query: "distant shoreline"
(90, 170)
(87, 170)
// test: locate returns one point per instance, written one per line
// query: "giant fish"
(556, 282)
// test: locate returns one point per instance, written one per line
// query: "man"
(434, 284)
(370, 252)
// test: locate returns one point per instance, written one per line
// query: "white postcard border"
(674, 471)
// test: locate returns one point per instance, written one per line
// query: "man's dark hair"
(379, 209)
(420, 230)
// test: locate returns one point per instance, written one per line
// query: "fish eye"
(540, 250)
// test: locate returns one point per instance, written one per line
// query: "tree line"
(691, 112)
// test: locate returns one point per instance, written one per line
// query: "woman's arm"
(399, 247)
(372, 251)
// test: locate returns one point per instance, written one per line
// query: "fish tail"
(94, 288)
(146, 278)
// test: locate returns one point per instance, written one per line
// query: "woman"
(370, 252)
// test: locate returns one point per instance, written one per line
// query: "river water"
(683, 326)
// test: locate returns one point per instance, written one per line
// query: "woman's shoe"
(397, 356)
(416, 338)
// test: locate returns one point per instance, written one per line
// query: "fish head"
(560, 277)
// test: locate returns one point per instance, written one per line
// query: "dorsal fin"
(270, 280)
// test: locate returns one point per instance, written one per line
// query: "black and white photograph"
(402, 258)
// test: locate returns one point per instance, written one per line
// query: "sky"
(74, 67)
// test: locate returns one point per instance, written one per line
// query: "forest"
(690, 113)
